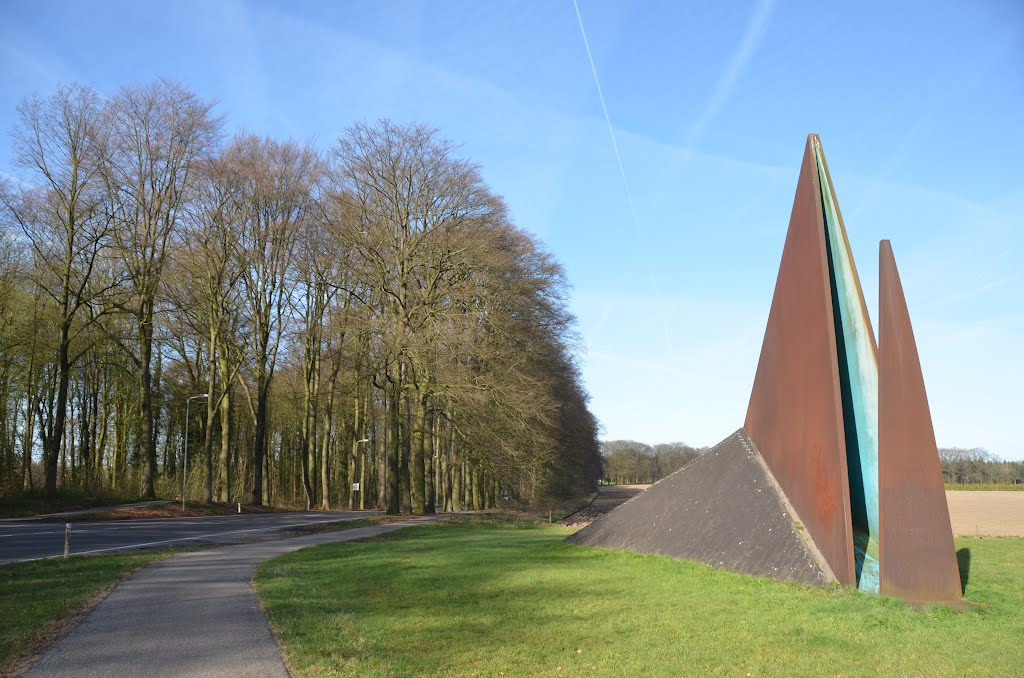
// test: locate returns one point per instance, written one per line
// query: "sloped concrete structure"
(725, 510)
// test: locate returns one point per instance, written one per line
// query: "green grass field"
(979, 487)
(38, 599)
(496, 599)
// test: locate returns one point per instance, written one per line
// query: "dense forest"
(627, 461)
(366, 316)
(978, 466)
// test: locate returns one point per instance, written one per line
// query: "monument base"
(723, 509)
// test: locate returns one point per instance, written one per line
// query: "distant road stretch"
(33, 540)
(608, 497)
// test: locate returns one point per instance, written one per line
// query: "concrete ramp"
(723, 509)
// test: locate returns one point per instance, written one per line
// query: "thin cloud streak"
(607, 118)
(618, 157)
(748, 45)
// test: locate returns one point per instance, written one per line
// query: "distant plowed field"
(982, 513)
(986, 513)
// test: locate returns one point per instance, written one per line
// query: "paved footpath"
(195, 614)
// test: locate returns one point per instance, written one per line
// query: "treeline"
(978, 466)
(363, 317)
(630, 462)
(627, 461)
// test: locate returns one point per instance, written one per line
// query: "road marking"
(192, 538)
(32, 534)
(96, 528)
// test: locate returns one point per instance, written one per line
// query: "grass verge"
(976, 487)
(490, 598)
(42, 600)
(31, 503)
(174, 510)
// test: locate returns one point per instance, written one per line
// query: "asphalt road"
(193, 615)
(32, 540)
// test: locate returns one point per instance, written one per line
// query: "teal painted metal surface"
(858, 375)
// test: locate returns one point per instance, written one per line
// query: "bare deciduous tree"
(272, 206)
(158, 133)
(63, 218)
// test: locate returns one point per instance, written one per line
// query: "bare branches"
(369, 318)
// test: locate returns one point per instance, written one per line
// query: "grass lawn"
(485, 598)
(984, 487)
(41, 599)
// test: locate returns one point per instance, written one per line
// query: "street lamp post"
(184, 463)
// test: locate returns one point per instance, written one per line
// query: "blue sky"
(918, 104)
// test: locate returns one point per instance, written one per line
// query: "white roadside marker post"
(67, 540)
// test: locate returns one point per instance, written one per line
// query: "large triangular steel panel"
(795, 415)
(917, 558)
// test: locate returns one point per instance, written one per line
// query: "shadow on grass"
(963, 561)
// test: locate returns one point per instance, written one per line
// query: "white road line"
(32, 534)
(171, 541)
(89, 526)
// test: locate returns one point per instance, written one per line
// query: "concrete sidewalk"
(195, 614)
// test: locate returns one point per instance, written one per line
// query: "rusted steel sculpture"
(812, 381)
(916, 552)
(835, 476)
(795, 403)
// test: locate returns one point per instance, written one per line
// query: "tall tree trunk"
(456, 471)
(393, 506)
(211, 413)
(224, 477)
(405, 426)
(475, 485)
(429, 489)
(260, 442)
(147, 442)
(419, 437)
(28, 435)
(354, 456)
(325, 455)
(308, 444)
(52, 443)
(446, 474)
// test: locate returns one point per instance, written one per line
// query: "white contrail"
(748, 45)
(622, 170)
(607, 118)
